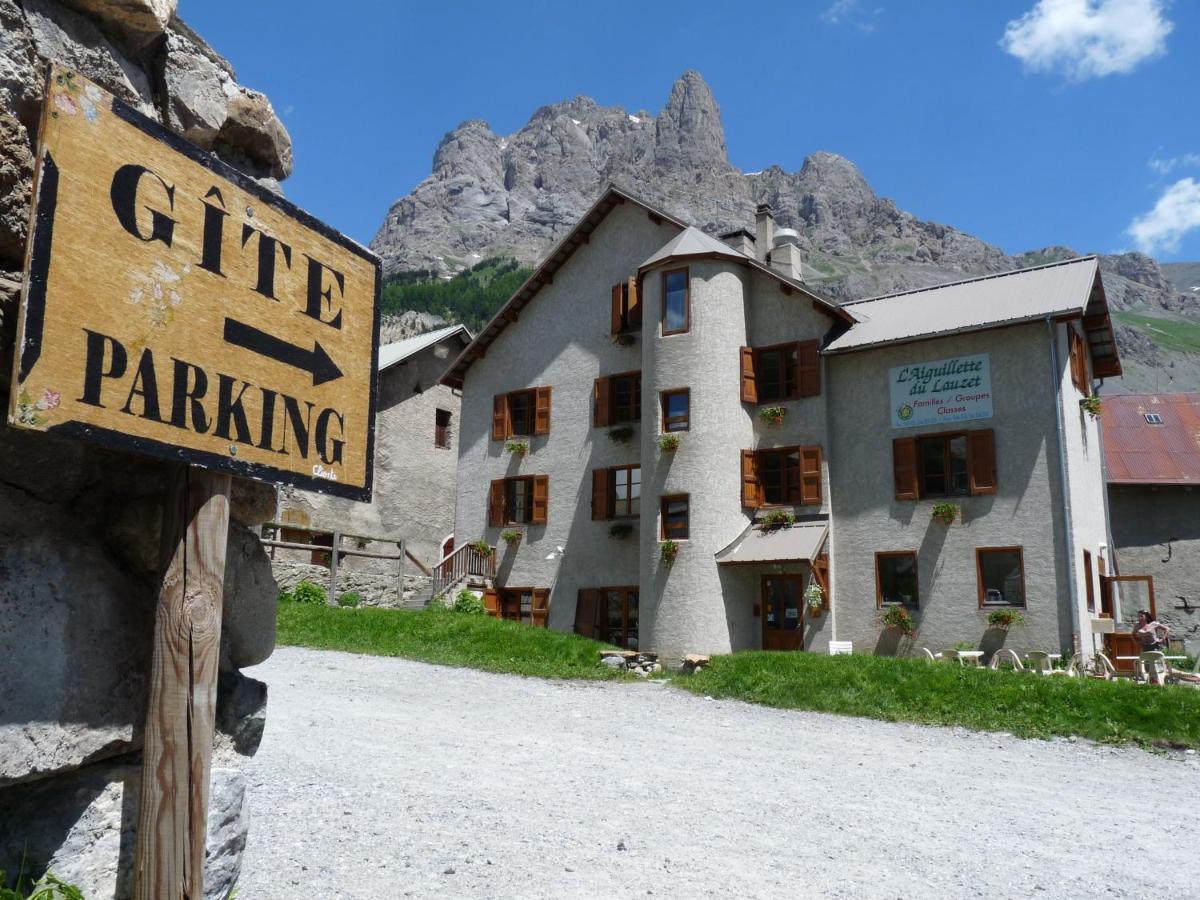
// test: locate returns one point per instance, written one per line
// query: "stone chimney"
(764, 225)
(785, 255)
(741, 240)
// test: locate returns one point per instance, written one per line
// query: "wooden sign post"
(174, 307)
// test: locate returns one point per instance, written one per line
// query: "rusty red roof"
(1152, 438)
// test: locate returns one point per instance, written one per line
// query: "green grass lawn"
(446, 638)
(876, 687)
(910, 690)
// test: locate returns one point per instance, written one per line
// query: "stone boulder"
(21, 78)
(71, 38)
(16, 185)
(252, 137)
(248, 620)
(199, 89)
(137, 22)
(252, 502)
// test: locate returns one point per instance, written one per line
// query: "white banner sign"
(945, 390)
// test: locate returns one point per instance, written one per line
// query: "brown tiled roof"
(1140, 452)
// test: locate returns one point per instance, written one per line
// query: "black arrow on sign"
(315, 360)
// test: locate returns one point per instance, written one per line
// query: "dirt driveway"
(381, 778)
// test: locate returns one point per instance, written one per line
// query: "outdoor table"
(973, 655)
(1164, 657)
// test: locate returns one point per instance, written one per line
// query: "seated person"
(1150, 633)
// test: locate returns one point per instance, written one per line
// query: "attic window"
(1153, 418)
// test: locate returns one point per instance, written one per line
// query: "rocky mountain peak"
(689, 128)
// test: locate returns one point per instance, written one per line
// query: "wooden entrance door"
(782, 608)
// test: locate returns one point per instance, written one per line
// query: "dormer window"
(1153, 419)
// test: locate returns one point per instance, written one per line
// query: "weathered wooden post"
(174, 307)
(180, 715)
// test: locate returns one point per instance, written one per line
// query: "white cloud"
(1175, 214)
(1089, 38)
(851, 12)
(1170, 164)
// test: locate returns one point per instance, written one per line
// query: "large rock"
(68, 37)
(20, 73)
(75, 638)
(252, 502)
(83, 828)
(199, 89)
(138, 22)
(16, 174)
(251, 595)
(252, 137)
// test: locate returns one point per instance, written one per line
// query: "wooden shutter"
(808, 374)
(541, 422)
(791, 476)
(601, 499)
(810, 475)
(496, 504)
(751, 487)
(499, 417)
(749, 383)
(1078, 360)
(600, 395)
(981, 461)
(540, 611)
(618, 293)
(541, 499)
(491, 602)
(904, 468)
(634, 314)
(585, 612)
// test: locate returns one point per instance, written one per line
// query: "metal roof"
(1138, 452)
(693, 242)
(1003, 299)
(398, 351)
(792, 543)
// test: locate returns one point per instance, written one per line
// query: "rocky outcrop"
(79, 526)
(515, 196)
(408, 324)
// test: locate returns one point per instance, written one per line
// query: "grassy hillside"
(1177, 334)
(470, 297)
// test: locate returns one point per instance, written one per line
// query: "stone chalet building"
(416, 442)
(857, 419)
(1152, 446)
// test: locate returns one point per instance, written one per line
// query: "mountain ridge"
(515, 196)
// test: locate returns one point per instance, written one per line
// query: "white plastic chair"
(1006, 659)
(1040, 662)
(1102, 667)
(841, 648)
(929, 657)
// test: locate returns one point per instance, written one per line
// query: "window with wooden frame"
(616, 492)
(608, 614)
(441, 428)
(784, 476)
(521, 414)
(896, 579)
(1001, 572)
(1078, 361)
(524, 500)
(676, 410)
(674, 510)
(952, 464)
(617, 399)
(626, 308)
(780, 372)
(676, 302)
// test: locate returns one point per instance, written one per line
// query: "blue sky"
(1025, 122)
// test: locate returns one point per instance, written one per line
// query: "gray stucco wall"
(695, 606)
(562, 340)
(1023, 511)
(414, 481)
(1156, 531)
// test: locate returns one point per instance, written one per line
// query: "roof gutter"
(1068, 530)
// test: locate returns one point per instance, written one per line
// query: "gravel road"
(382, 778)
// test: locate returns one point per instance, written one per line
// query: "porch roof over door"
(801, 542)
